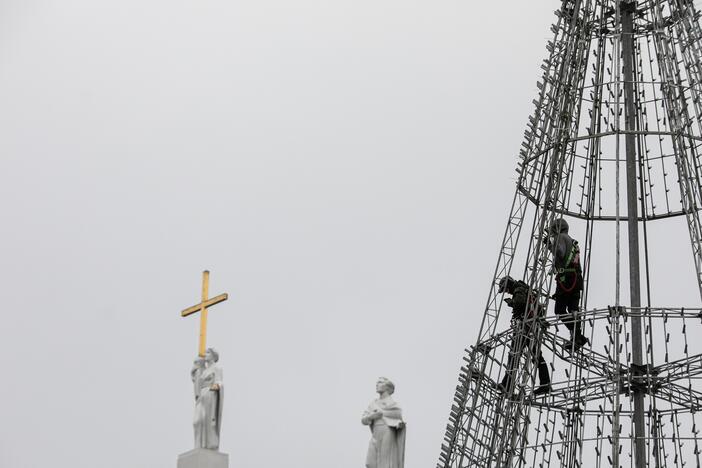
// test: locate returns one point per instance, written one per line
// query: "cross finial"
(202, 308)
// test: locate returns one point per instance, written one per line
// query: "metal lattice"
(618, 116)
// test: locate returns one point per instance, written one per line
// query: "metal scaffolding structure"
(618, 117)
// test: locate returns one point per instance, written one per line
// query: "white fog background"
(343, 168)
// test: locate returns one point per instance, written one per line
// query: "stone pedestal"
(203, 458)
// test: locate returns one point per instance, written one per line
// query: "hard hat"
(506, 284)
(558, 225)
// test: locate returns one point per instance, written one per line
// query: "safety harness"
(525, 299)
(572, 265)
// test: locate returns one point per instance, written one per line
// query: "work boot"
(503, 386)
(542, 389)
(580, 341)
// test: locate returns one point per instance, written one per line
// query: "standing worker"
(569, 280)
(525, 313)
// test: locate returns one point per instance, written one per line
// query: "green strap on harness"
(574, 250)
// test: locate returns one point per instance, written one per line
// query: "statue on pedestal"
(387, 445)
(209, 392)
(209, 399)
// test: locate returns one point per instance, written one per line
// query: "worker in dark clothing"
(525, 308)
(569, 280)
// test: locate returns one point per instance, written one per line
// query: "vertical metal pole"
(627, 9)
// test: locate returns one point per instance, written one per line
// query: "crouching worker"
(525, 307)
(569, 280)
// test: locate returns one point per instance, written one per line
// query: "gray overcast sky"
(343, 168)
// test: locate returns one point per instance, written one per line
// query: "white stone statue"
(209, 399)
(387, 446)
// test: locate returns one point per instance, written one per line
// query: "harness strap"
(571, 264)
(561, 279)
(573, 254)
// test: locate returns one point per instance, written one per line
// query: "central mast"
(627, 8)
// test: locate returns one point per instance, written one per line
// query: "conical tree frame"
(614, 146)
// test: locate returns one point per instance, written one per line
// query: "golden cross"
(202, 308)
